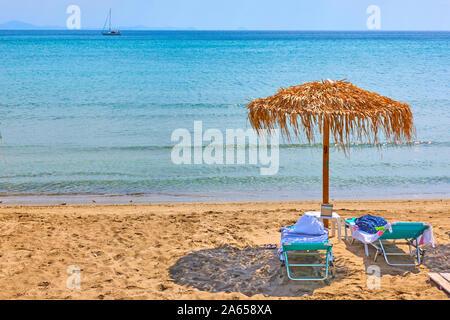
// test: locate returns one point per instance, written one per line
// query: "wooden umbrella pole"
(326, 164)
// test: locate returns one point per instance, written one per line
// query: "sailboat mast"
(108, 25)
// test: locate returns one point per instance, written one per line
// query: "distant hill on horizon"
(20, 25)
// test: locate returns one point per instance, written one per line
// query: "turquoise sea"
(83, 115)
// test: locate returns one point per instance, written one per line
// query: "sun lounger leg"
(326, 265)
(287, 265)
(377, 251)
(384, 252)
(418, 252)
(400, 264)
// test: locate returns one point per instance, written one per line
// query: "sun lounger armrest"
(306, 246)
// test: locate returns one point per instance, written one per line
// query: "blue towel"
(288, 235)
(369, 223)
(309, 225)
(306, 229)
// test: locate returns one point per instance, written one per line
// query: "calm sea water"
(85, 114)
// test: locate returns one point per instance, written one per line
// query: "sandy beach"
(199, 251)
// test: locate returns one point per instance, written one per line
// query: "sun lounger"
(408, 231)
(297, 241)
(411, 232)
(308, 248)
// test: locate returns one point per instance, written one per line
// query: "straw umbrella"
(336, 107)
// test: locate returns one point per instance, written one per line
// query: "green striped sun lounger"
(307, 237)
(407, 231)
(324, 249)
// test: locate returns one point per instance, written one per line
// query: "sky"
(235, 14)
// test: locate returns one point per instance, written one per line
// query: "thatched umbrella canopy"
(338, 107)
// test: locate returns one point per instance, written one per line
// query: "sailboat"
(109, 32)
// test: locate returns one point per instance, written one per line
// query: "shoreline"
(199, 251)
(215, 203)
(200, 197)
